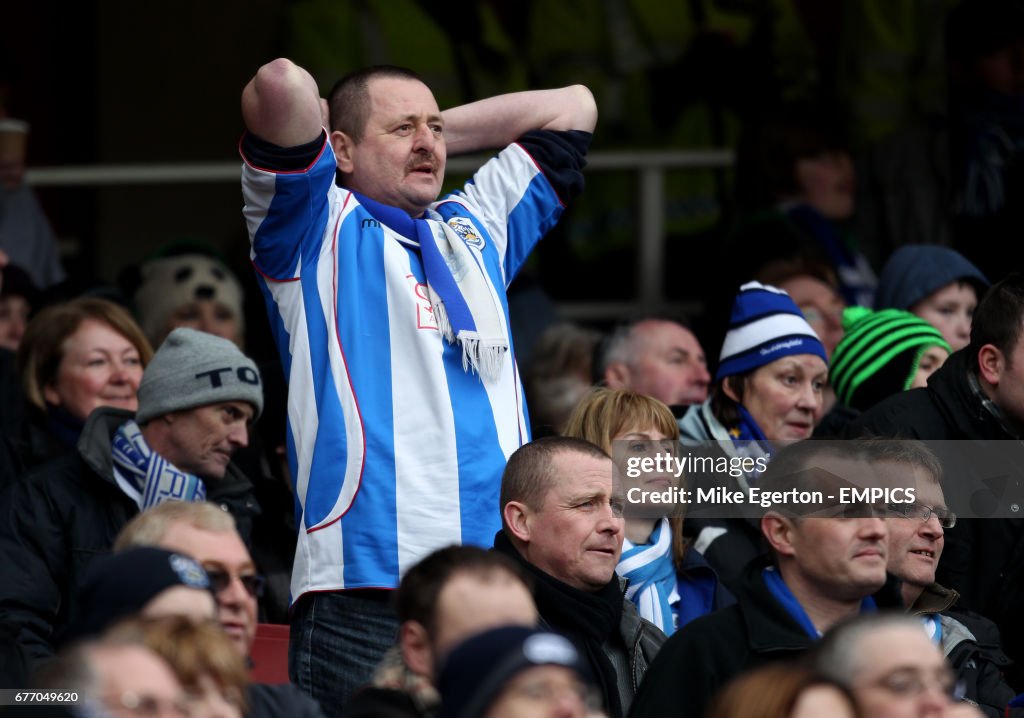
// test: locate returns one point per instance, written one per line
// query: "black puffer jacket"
(56, 519)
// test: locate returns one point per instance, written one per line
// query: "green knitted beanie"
(879, 354)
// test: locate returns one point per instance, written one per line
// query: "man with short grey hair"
(657, 357)
(197, 400)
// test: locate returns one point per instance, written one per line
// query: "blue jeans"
(336, 641)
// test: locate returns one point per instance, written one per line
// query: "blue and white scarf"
(152, 477)
(652, 577)
(465, 306)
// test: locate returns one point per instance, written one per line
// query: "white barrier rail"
(649, 165)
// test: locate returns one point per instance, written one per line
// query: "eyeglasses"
(947, 519)
(253, 582)
(910, 683)
(550, 691)
(148, 706)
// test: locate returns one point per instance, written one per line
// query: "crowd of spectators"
(450, 534)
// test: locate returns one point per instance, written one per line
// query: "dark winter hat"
(765, 325)
(477, 670)
(193, 368)
(879, 354)
(916, 270)
(121, 584)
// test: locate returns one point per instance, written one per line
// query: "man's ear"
(778, 532)
(516, 515)
(415, 645)
(616, 375)
(991, 363)
(342, 145)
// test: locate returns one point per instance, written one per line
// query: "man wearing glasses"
(208, 534)
(916, 534)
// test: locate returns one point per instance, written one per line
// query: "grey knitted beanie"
(193, 368)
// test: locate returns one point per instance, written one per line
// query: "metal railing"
(649, 166)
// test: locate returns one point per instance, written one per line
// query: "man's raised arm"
(499, 120)
(282, 105)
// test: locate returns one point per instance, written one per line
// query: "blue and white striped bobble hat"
(765, 325)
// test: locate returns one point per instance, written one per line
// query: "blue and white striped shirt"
(395, 450)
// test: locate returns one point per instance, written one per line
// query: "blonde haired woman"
(669, 583)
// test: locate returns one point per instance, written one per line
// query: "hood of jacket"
(916, 270)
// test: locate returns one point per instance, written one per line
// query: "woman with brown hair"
(74, 357)
(670, 584)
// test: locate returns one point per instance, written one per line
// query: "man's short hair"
(421, 586)
(527, 475)
(349, 99)
(149, 527)
(789, 468)
(615, 346)
(836, 654)
(903, 451)
(998, 318)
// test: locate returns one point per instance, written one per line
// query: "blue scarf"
(154, 478)
(465, 306)
(652, 577)
(780, 591)
(749, 440)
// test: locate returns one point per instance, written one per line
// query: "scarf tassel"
(482, 356)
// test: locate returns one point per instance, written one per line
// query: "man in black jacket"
(977, 399)
(563, 525)
(197, 398)
(825, 570)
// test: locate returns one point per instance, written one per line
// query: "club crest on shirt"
(465, 229)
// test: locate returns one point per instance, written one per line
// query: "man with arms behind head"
(207, 534)
(563, 525)
(198, 397)
(389, 311)
(825, 569)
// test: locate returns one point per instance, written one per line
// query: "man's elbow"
(583, 109)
